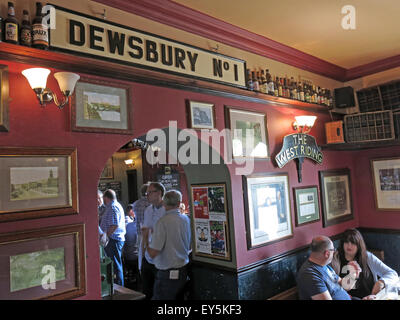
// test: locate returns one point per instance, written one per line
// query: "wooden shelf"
(105, 68)
(360, 145)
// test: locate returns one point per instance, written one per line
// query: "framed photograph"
(249, 134)
(108, 171)
(38, 182)
(43, 264)
(267, 208)
(386, 176)
(337, 204)
(4, 90)
(101, 106)
(306, 205)
(201, 115)
(210, 221)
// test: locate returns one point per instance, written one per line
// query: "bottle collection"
(286, 87)
(32, 35)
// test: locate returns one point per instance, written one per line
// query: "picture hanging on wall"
(210, 221)
(201, 115)
(4, 89)
(267, 208)
(336, 196)
(108, 171)
(101, 106)
(46, 263)
(306, 205)
(386, 176)
(38, 182)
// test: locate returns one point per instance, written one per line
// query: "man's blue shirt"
(114, 216)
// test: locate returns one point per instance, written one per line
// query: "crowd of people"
(151, 237)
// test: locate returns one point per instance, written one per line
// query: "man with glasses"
(316, 280)
(155, 193)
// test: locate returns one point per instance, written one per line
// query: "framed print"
(336, 196)
(43, 264)
(38, 182)
(249, 134)
(4, 89)
(386, 176)
(101, 106)
(306, 205)
(267, 208)
(201, 115)
(108, 171)
(210, 221)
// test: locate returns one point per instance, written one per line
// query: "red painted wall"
(153, 107)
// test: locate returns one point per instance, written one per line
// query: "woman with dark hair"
(374, 275)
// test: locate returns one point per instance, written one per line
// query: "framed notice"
(386, 176)
(306, 205)
(336, 196)
(43, 264)
(267, 208)
(210, 221)
(37, 182)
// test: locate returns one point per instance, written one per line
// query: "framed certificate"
(306, 205)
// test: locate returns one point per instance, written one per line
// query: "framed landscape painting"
(267, 208)
(43, 264)
(201, 115)
(101, 106)
(37, 182)
(337, 204)
(249, 134)
(386, 176)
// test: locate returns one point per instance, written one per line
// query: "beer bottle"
(11, 25)
(26, 31)
(255, 82)
(263, 83)
(276, 85)
(250, 84)
(40, 31)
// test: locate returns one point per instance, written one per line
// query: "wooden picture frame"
(42, 182)
(306, 204)
(108, 171)
(386, 177)
(239, 121)
(210, 223)
(4, 97)
(201, 115)
(47, 263)
(102, 106)
(267, 208)
(336, 196)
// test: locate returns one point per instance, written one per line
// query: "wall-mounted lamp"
(37, 78)
(129, 163)
(304, 124)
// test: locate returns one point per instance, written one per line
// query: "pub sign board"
(78, 33)
(298, 145)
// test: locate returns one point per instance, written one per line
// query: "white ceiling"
(315, 26)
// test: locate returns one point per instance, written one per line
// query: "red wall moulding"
(176, 15)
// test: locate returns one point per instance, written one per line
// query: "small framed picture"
(108, 171)
(38, 182)
(101, 106)
(337, 204)
(386, 176)
(249, 134)
(47, 263)
(201, 115)
(306, 205)
(267, 208)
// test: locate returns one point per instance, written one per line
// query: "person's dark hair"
(355, 237)
(158, 186)
(128, 208)
(110, 194)
(320, 244)
(143, 189)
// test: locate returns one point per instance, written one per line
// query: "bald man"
(316, 280)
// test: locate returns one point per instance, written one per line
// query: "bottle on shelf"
(280, 86)
(298, 91)
(256, 84)
(40, 31)
(270, 82)
(294, 90)
(263, 83)
(11, 25)
(250, 84)
(276, 85)
(26, 31)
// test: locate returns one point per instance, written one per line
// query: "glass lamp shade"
(305, 121)
(66, 81)
(37, 77)
(129, 162)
